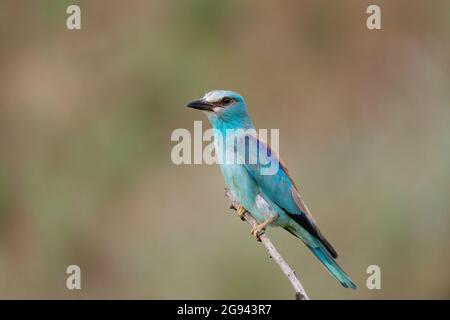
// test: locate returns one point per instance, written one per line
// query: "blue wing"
(273, 178)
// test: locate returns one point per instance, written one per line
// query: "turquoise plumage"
(271, 197)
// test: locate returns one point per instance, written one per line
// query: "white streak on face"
(214, 96)
(208, 97)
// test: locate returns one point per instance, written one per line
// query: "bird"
(273, 198)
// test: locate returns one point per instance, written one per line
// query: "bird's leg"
(241, 211)
(260, 228)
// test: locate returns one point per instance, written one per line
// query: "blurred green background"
(86, 117)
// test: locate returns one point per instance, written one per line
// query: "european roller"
(272, 198)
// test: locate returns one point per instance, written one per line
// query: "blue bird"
(271, 198)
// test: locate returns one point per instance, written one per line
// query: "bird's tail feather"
(330, 264)
(327, 260)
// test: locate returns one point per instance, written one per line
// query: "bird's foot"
(259, 229)
(240, 212)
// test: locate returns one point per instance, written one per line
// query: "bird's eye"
(226, 100)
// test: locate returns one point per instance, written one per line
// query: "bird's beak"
(200, 105)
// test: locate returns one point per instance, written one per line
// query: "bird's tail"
(330, 264)
(326, 259)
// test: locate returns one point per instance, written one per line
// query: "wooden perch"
(300, 293)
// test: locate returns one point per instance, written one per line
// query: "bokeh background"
(86, 117)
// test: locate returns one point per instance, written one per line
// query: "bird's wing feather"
(278, 185)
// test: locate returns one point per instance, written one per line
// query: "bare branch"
(300, 293)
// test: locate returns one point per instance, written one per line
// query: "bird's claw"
(241, 212)
(257, 231)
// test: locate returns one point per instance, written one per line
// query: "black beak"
(200, 105)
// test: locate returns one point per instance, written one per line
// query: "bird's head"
(223, 109)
